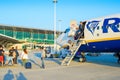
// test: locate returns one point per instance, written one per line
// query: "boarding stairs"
(69, 58)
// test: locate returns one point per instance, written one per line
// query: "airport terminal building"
(14, 34)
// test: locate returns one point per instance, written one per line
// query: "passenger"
(12, 53)
(1, 55)
(77, 34)
(80, 31)
(70, 43)
(81, 26)
(16, 56)
(63, 55)
(42, 52)
(24, 56)
(68, 50)
(9, 58)
(65, 52)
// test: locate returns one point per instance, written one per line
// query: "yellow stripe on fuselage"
(103, 39)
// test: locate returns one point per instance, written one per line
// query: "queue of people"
(10, 56)
(7, 57)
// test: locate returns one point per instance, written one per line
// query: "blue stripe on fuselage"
(102, 46)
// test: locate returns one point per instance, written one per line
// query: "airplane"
(100, 35)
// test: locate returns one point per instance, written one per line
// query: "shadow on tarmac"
(20, 61)
(10, 76)
(35, 63)
(54, 60)
(49, 59)
(103, 59)
(20, 76)
(37, 55)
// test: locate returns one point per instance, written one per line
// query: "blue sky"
(40, 13)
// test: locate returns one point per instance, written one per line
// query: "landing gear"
(82, 58)
(117, 54)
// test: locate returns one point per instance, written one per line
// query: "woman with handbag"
(24, 56)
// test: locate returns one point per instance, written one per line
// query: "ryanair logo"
(91, 26)
(108, 23)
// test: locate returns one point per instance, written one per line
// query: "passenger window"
(97, 34)
(118, 26)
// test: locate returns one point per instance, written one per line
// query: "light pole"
(59, 21)
(55, 1)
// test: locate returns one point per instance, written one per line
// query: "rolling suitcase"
(28, 65)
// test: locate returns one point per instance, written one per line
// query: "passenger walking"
(42, 52)
(9, 58)
(1, 55)
(81, 26)
(24, 57)
(12, 53)
(80, 31)
(16, 56)
(65, 52)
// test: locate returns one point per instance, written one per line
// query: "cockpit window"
(67, 30)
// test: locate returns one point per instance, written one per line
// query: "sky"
(39, 14)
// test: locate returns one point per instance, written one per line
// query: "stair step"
(69, 58)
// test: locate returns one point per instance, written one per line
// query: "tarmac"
(103, 67)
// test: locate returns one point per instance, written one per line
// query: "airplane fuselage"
(102, 35)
